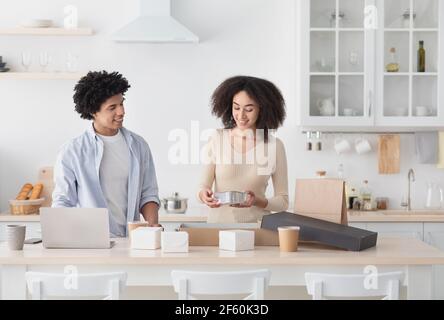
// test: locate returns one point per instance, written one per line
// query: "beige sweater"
(231, 170)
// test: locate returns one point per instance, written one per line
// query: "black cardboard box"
(325, 232)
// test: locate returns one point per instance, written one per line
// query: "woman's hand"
(206, 195)
(251, 201)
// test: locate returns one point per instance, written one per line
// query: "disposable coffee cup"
(15, 236)
(135, 225)
(288, 238)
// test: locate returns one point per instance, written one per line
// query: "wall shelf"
(47, 31)
(41, 75)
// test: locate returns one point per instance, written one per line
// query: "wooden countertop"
(389, 251)
(397, 216)
(353, 216)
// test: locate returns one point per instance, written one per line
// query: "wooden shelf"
(322, 29)
(409, 29)
(322, 73)
(424, 74)
(41, 75)
(394, 74)
(47, 31)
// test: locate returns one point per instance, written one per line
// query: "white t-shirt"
(113, 174)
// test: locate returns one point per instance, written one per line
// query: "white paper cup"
(15, 235)
(288, 238)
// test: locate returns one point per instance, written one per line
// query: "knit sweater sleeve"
(279, 202)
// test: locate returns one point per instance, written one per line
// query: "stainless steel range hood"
(155, 24)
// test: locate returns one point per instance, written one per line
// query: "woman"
(244, 155)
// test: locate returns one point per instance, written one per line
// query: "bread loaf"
(23, 194)
(36, 191)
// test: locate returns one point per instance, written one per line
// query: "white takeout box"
(146, 238)
(236, 240)
(174, 241)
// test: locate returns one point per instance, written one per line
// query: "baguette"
(36, 191)
(23, 194)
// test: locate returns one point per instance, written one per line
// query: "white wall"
(171, 86)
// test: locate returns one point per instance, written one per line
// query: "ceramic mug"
(342, 145)
(15, 235)
(422, 111)
(362, 146)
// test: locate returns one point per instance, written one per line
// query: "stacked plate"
(3, 65)
(36, 23)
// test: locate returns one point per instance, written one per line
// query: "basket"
(23, 207)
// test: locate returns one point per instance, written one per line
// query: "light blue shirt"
(76, 176)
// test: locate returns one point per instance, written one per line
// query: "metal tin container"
(175, 204)
(231, 197)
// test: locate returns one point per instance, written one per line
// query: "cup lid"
(289, 228)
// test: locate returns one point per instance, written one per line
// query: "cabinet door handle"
(430, 239)
(369, 103)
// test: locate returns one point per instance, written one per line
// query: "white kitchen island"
(153, 268)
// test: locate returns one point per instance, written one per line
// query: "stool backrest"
(322, 285)
(43, 285)
(251, 282)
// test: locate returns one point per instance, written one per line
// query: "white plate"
(36, 23)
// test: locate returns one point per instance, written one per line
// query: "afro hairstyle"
(94, 89)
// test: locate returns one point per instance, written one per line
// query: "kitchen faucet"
(410, 178)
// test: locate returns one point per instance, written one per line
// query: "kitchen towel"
(389, 153)
(441, 150)
(427, 147)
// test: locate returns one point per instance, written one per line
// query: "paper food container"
(207, 234)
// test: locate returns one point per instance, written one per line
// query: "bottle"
(341, 171)
(421, 57)
(393, 65)
(365, 195)
(351, 196)
(308, 145)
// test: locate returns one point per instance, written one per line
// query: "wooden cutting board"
(389, 153)
(46, 178)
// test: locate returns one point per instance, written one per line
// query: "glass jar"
(435, 196)
(321, 174)
(365, 194)
(406, 19)
(381, 203)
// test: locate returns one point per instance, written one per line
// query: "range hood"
(155, 24)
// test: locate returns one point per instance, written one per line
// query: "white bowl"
(36, 23)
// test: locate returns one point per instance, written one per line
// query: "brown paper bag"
(321, 199)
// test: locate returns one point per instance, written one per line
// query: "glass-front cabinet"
(370, 62)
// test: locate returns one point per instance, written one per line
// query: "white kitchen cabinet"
(342, 78)
(434, 235)
(397, 229)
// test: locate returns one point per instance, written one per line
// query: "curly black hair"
(268, 97)
(94, 89)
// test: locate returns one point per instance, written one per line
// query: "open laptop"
(75, 228)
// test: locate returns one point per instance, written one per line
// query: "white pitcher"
(326, 107)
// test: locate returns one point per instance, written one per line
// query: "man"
(108, 166)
